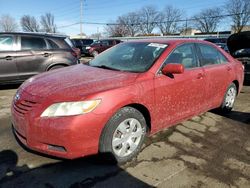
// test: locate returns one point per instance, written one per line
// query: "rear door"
(180, 96)
(8, 69)
(217, 73)
(32, 56)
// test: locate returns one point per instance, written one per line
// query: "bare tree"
(8, 23)
(29, 23)
(240, 13)
(47, 23)
(96, 35)
(148, 19)
(116, 30)
(131, 22)
(168, 21)
(207, 20)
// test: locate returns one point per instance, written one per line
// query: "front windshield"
(130, 56)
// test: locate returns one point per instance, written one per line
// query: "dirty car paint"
(168, 100)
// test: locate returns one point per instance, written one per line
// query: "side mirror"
(173, 68)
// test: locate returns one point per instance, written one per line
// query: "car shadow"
(80, 173)
(243, 117)
(9, 86)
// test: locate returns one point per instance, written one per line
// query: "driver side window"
(184, 54)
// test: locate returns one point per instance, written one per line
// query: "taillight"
(74, 53)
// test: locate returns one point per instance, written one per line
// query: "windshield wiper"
(106, 67)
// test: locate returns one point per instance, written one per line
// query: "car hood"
(238, 41)
(76, 81)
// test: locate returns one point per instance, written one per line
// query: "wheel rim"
(230, 97)
(127, 137)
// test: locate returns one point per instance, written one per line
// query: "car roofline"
(41, 34)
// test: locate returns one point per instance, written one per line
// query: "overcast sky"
(67, 12)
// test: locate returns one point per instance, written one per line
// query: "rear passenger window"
(222, 58)
(53, 45)
(110, 42)
(211, 55)
(32, 43)
(6, 43)
(184, 54)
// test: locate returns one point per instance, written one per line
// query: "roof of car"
(81, 39)
(170, 41)
(109, 39)
(35, 34)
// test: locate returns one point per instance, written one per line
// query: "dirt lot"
(207, 151)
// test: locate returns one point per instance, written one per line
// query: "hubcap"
(127, 137)
(230, 97)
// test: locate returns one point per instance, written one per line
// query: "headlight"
(88, 47)
(70, 108)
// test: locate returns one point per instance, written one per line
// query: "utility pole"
(81, 17)
(98, 33)
(186, 25)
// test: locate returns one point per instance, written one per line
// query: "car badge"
(17, 97)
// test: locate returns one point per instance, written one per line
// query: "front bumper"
(64, 137)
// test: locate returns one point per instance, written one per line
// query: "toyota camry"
(132, 90)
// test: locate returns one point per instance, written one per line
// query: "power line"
(181, 20)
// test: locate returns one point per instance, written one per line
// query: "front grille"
(24, 106)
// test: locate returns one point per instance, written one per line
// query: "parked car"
(239, 47)
(83, 45)
(221, 42)
(101, 45)
(132, 90)
(216, 40)
(23, 55)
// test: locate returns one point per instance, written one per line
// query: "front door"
(8, 69)
(180, 96)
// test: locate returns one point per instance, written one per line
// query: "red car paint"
(167, 100)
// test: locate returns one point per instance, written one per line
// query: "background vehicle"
(239, 47)
(101, 45)
(83, 45)
(23, 55)
(221, 42)
(133, 89)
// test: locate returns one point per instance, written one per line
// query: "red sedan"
(133, 89)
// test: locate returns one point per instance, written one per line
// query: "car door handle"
(200, 76)
(46, 54)
(229, 68)
(8, 58)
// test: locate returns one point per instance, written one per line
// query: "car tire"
(123, 136)
(229, 99)
(95, 53)
(56, 67)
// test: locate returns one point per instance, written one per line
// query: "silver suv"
(23, 55)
